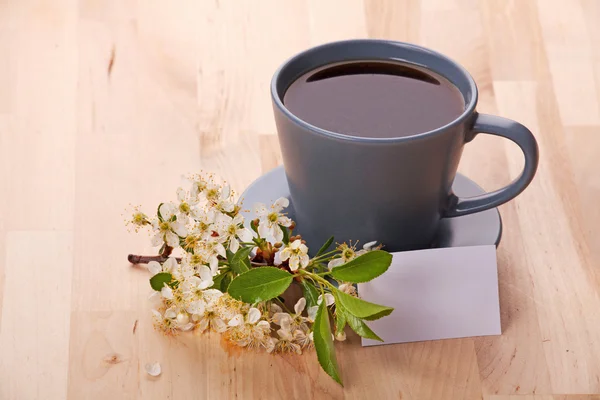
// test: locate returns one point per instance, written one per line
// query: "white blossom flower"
(210, 252)
(340, 336)
(220, 199)
(153, 369)
(297, 253)
(230, 229)
(165, 322)
(329, 299)
(269, 344)
(168, 230)
(302, 339)
(347, 288)
(166, 292)
(196, 308)
(271, 219)
(138, 219)
(199, 184)
(198, 283)
(205, 220)
(168, 266)
(186, 206)
(347, 253)
(211, 318)
(286, 340)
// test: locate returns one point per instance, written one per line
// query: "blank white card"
(436, 294)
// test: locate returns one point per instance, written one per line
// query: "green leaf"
(160, 217)
(286, 234)
(363, 268)
(225, 282)
(324, 248)
(239, 261)
(158, 281)
(361, 328)
(340, 321)
(260, 284)
(324, 343)
(360, 308)
(221, 282)
(310, 293)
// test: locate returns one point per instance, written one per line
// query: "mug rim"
(467, 112)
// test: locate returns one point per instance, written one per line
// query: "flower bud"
(278, 245)
(340, 336)
(182, 318)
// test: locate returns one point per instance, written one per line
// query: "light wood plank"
(34, 335)
(106, 103)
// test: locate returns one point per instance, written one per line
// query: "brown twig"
(164, 256)
(137, 259)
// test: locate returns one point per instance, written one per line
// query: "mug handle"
(523, 137)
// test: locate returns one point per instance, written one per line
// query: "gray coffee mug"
(393, 190)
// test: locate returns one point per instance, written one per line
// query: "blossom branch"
(139, 259)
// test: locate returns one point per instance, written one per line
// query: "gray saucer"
(482, 228)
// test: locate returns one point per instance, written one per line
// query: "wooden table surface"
(106, 103)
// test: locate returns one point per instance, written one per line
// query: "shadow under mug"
(393, 190)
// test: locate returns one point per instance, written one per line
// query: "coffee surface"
(374, 99)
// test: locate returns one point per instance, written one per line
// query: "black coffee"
(374, 99)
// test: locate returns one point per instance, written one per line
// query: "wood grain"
(106, 103)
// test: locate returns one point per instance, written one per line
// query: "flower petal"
(225, 192)
(304, 260)
(369, 245)
(264, 325)
(172, 239)
(264, 230)
(283, 220)
(277, 259)
(280, 317)
(180, 194)
(170, 264)
(277, 233)
(299, 306)
(179, 228)
(202, 325)
(218, 325)
(295, 244)
(237, 320)
(312, 312)
(294, 263)
(280, 204)
(196, 307)
(329, 299)
(167, 210)
(171, 312)
(260, 209)
(205, 284)
(234, 245)
(335, 262)
(245, 234)
(205, 273)
(253, 315)
(154, 267)
(157, 240)
(275, 308)
(153, 369)
(167, 292)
